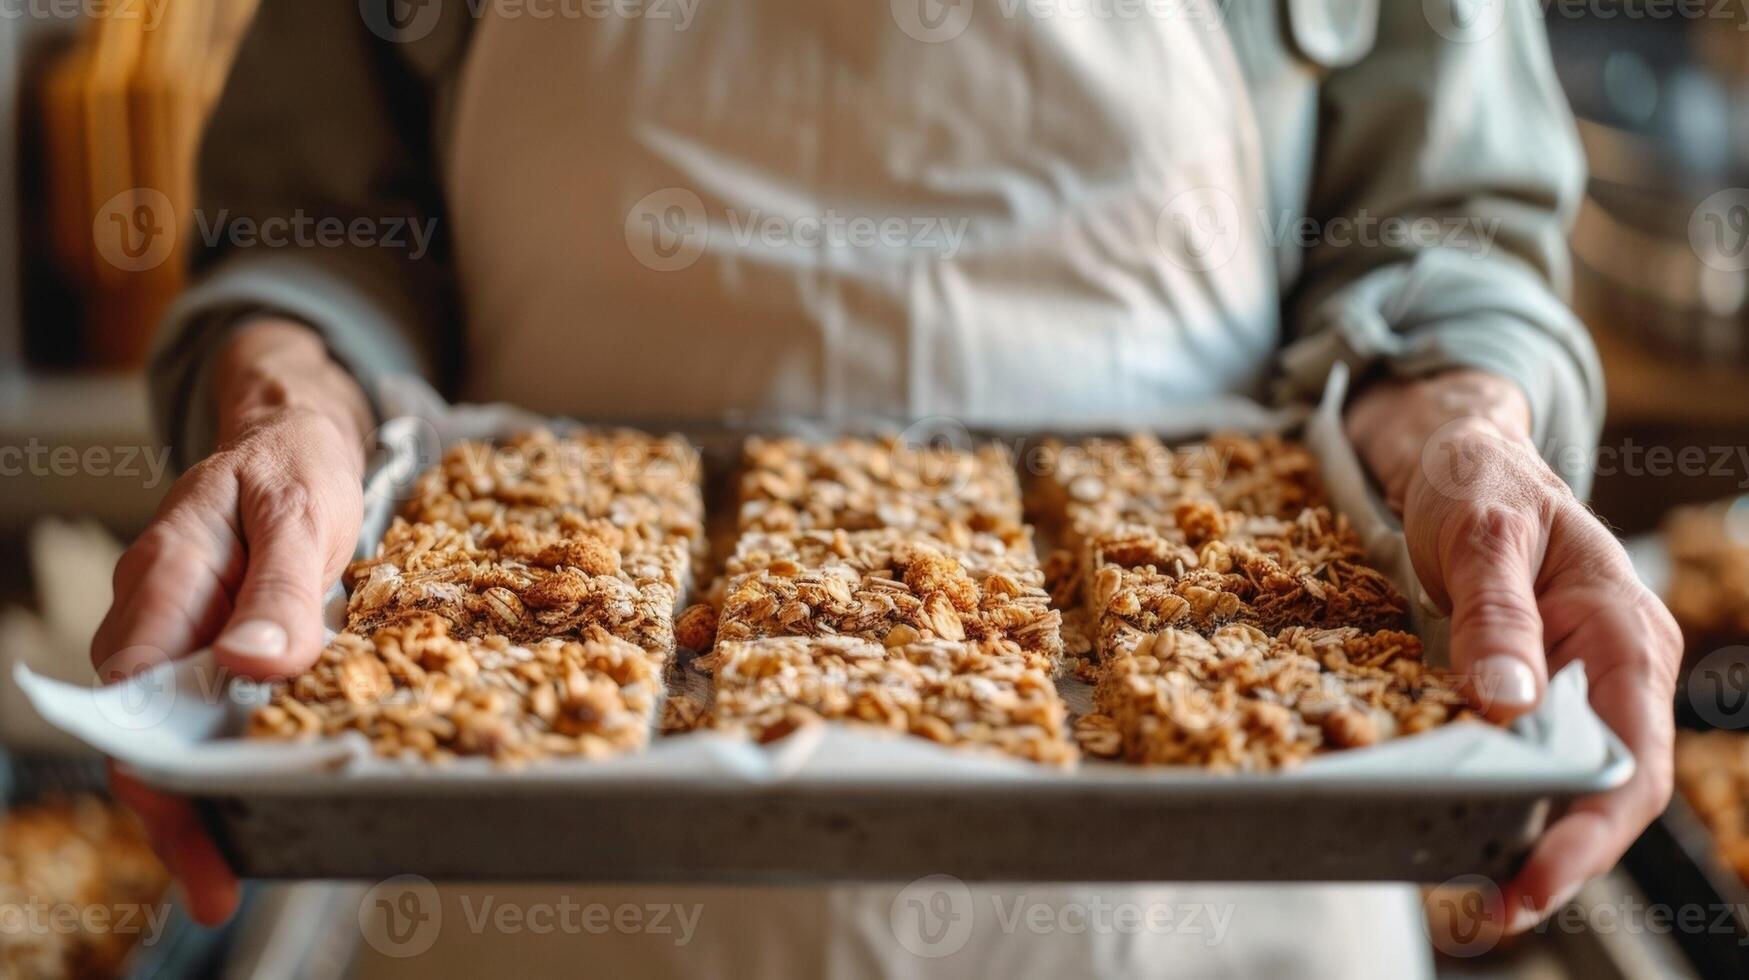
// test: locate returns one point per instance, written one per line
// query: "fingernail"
(1506, 680)
(1524, 917)
(256, 638)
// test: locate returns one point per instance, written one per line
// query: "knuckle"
(1496, 529)
(287, 504)
(160, 544)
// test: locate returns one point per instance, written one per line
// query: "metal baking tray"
(909, 809)
(1174, 827)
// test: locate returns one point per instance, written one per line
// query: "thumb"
(275, 628)
(1489, 561)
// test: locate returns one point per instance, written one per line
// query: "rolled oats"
(648, 487)
(416, 690)
(868, 484)
(870, 584)
(1243, 699)
(1235, 569)
(973, 695)
(1099, 484)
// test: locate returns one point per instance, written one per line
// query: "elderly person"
(1096, 212)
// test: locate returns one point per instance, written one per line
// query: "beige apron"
(846, 210)
(794, 206)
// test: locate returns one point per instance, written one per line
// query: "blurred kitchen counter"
(78, 445)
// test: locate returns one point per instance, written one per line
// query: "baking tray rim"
(557, 779)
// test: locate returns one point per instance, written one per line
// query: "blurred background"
(95, 105)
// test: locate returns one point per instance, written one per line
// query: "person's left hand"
(1533, 582)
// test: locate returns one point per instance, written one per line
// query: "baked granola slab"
(521, 605)
(893, 591)
(649, 487)
(1708, 591)
(888, 551)
(1093, 485)
(81, 855)
(971, 695)
(1244, 699)
(551, 585)
(418, 691)
(857, 484)
(1712, 772)
(1310, 572)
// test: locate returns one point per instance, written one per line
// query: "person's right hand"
(239, 555)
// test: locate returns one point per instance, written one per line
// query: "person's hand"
(239, 555)
(1533, 582)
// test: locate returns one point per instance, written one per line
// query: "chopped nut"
(696, 629)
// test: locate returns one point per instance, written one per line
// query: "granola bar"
(80, 855)
(647, 486)
(1207, 570)
(978, 695)
(1708, 592)
(1712, 771)
(1243, 699)
(416, 690)
(891, 590)
(888, 552)
(867, 484)
(523, 586)
(1099, 484)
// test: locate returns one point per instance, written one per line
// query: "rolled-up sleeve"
(317, 202)
(1448, 172)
